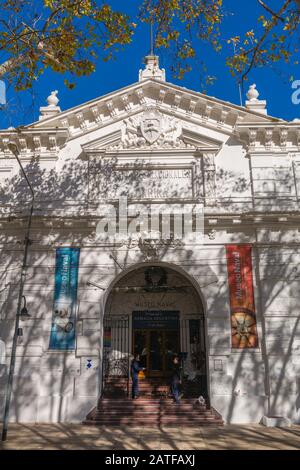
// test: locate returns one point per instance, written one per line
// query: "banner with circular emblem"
(62, 335)
(242, 307)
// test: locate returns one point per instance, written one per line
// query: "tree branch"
(23, 59)
(266, 7)
(10, 64)
(264, 36)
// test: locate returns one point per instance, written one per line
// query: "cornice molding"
(173, 102)
(280, 137)
(33, 141)
(177, 101)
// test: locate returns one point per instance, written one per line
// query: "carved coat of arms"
(151, 126)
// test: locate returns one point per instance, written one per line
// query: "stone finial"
(253, 103)
(52, 109)
(52, 99)
(152, 69)
(252, 93)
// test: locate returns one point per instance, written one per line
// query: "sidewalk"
(68, 437)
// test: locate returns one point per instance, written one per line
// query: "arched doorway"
(155, 310)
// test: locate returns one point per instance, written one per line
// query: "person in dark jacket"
(176, 380)
(135, 369)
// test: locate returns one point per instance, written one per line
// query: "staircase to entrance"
(153, 407)
(154, 387)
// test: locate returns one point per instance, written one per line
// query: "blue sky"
(272, 82)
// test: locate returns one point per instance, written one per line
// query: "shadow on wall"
(70, 188)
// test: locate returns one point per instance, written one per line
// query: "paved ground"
(60, 436)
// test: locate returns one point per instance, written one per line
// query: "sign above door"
(155, 320)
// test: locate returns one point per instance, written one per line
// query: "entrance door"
(156, 349)
(156, 339)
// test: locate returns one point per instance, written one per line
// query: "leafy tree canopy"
(70, 35)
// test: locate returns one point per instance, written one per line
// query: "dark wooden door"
(156, 349)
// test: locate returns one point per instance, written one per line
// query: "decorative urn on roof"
(52, 99)
(52, 109)
(253, 103)
(252, 93)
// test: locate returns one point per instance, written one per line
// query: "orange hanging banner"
(242, 307)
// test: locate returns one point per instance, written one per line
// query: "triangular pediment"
(152, 129)
(191, 108)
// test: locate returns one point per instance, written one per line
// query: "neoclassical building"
(224, 298)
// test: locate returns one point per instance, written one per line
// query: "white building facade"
(153, 147)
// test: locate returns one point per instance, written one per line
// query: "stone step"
(150, 382)
(146, 401)
(149, 408)
(119, 387)
(147, 412)
(148, 387)
(154, 422)
(146, 416)
(165, 409)
(149, 392)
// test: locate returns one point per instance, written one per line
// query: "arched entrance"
(154, 310)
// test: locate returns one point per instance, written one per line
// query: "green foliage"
(274, 38)
(71, 35)
(65, 35)
(182, 25)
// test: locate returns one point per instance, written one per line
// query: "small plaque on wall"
(218, 365)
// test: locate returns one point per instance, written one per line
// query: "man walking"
(135, 369)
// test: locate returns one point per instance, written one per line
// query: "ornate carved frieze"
(152, 129)
(150, 244)
(176, 102)
(5, 142)
(162, 95)
(274, 137)
(283, 137)
(141, 97)
(29, 141)
(153, 249)
(126, 102)
(268, 138)
(96, 113)
(37, 143)
(81, 120)
(252, 137)
(52, 143)
(65, 122)
(192, 106)
(223, 116)
(111, 109)
(22, 144)
(206, 112)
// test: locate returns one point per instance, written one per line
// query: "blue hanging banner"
(2, 93)
(65, 299)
